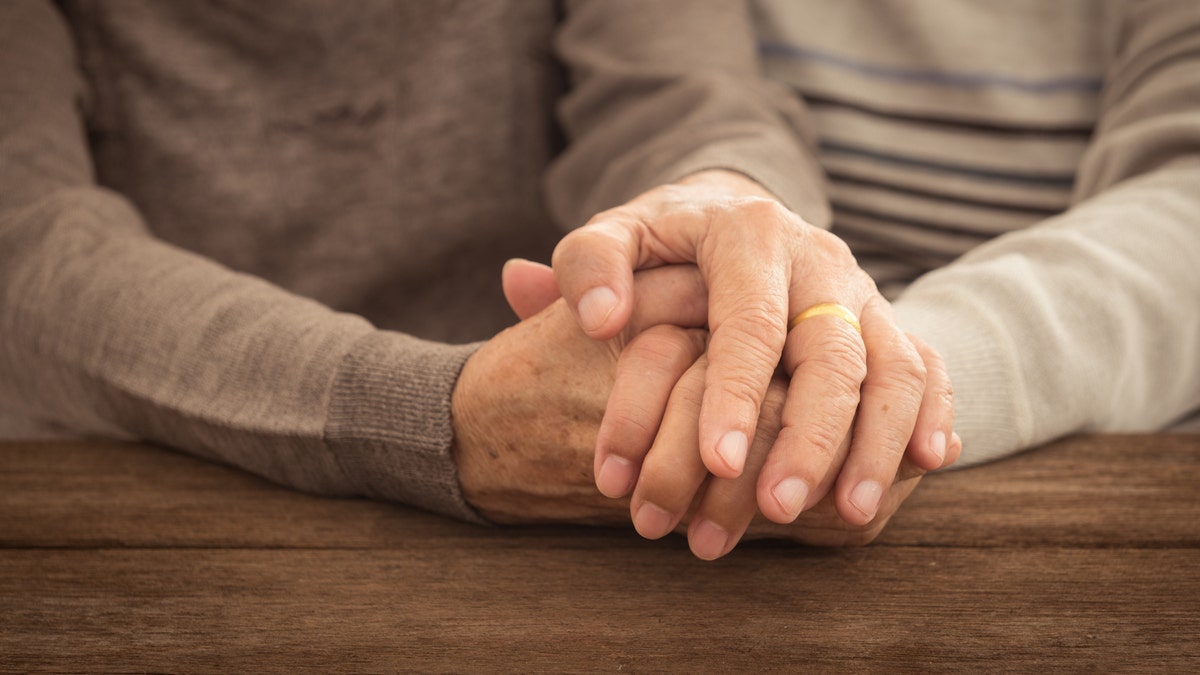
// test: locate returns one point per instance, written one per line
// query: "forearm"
(109, 331)
(1085, 322)
(1088, 321)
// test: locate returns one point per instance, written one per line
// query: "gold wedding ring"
(831, 308)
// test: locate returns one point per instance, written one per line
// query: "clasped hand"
(885, 392)
(745, 416)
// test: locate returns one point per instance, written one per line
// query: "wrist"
(469, 445)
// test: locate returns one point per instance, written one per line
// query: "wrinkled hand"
(658, 387)
(763, 264)
(529, 402)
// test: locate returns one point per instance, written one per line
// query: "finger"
(748, 272)
(671, 472)
(829, 361)
(670, 297)
(747, 265)
(529, 287)
(953, 449)
(861, 535)
(745, 250)
(820, 524)
(647, 370)
(891, 397)
(729, 504)
(935, 421)
(594, 267)
(672, 294)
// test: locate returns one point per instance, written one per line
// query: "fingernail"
(937, 444)
(865, 497)
(791, 493)
(652, 521)
(615, 478)
(732, 450)
(595, 306)
(954, 438)
(708, 540)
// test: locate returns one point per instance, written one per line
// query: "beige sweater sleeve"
(663, 89)
(107, 330)
(1090, 320)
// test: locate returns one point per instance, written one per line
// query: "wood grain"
(1083, 555)
(560, 609)
(1087, 491)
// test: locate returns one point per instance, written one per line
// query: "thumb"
(594, 266)
(529, 287)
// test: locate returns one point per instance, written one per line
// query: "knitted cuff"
(989, 414)
(389, 421)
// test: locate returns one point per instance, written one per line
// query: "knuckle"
(903, 393)
(836, 249)
(841, 359)
(619, 215)
(622, 425)
(661, 347)
(758, 323)
(740, 386)
(946, 394)
(937, 378)
(762, 212)
(744, 365)
(598, 234)
(758, 222)
(898, 370)
(763, 312)
(825, 435)
(569, 249)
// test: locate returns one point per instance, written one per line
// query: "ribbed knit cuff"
(989, 404)
(389, 421)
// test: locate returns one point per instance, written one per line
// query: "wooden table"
(1082, 555)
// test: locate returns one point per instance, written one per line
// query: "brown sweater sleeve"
(663, 89)
(107, 330)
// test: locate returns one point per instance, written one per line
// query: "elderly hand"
(529, 402)
(763, 264)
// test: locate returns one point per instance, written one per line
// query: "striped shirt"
(933, 137)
